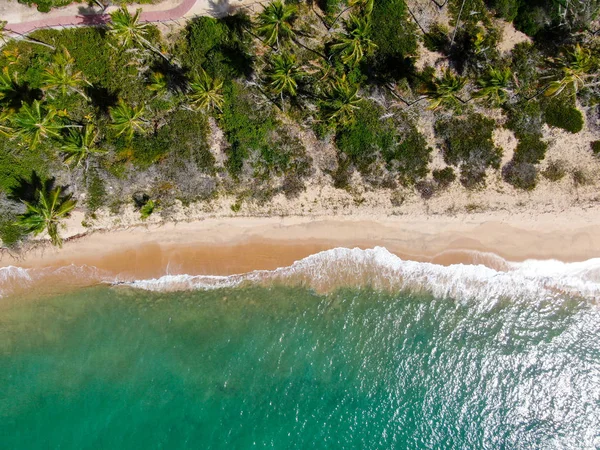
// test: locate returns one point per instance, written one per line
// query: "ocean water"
(393, 355)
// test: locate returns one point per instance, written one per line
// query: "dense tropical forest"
(105, 116)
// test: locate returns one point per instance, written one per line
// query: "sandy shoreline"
(223, 246)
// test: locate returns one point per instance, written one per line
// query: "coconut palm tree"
(158, 83)
(284, 74)
(79, 144)
(9, 86)
(577, 67)
(34, 123)
(493, 86)
(276, 21)
(355, 44)
(442, 92)
(341, 102)
(62, 78)
(5, 36)
(5, 128)
(126, 120)
(127, 29)
(45, 214)
(206, 93)
(365, 6)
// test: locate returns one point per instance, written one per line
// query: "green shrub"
(530, 149)
(436, 39)
(147, 210)
(595, 145)
(96, 192)
(395, 36)
(217, 48)
(559, 113)
(409, 157)
(521, 175)
(444, 177)
(507, 9)
(367, 137)
(467, 142)
(555, 170)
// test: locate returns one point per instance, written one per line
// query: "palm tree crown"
(442, 92)
(284, 74)
(276, 21)
(341, 102)
(34, 123)
(493, 86)
(79, 144)
(127, 29)
(355, 44)
(206, 93)
(577, 66)
(126, 120)
(51, 206)
(62, 78)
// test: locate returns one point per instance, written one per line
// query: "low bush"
(530, 149)
(436, 39)
(555, 170)
(561, 114)
(467, 143)
(521, 175)
(96, 192)
(444, 177)
(595, 145)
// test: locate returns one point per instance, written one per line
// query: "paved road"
(90, 17)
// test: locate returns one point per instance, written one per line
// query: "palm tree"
(62, 78)
(5, 129)
(284, 74)
(5, 36)
(577, 67)
(276, 21)
(206, 93)
(51, 206)
(127, 120)
(127, 29)
(365, 6)
(341, 102)
(493, 87)
(79, 144)
(33, 123)
(158, 83)
(443, 92)
(9, 86)
(355, 44)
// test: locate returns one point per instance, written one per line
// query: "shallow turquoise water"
(280, 367)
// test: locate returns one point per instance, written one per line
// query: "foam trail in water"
(381, 269)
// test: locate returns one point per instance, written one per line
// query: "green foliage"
(437, 38)
(522, 175)
(443, 91)
(444, 177)
(247, 128)
(341, 103)
(530, 149)
(48, 207)
(467, 142)
(561, 114)
(219, 47)
(35, 123)
(493, 87)
(127, 120)
(147, 210)
(78, 144)
(555, 170)
(507, 9)
(127, 29)
(276, 22)
(595, 145)
(284, 74)
(206, 93)
(355, 43)
(372, 137)
(395, 36)
(96, 192)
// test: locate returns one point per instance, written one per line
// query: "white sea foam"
(379, 268)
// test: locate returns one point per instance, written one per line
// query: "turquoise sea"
(269, 365)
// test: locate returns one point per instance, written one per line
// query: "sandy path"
(23, 19)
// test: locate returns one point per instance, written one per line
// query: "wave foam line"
(380, 269)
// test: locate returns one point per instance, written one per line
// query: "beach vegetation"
(556, 170)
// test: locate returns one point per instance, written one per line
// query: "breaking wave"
(380, 269)
(485, 276)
